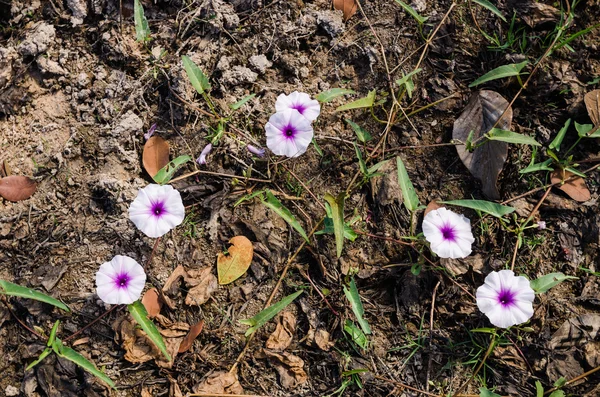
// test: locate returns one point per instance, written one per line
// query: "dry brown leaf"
(203, 283)
(323, 340)
(462, 265)
(81, 341)
(171, 286)
(576, 188)
(592, 103)
(222, 382)
(289, 367)
(189, 339)
(17, 187)
(232, 266)
(151, 302)
(282, 337)
(348, 7)
(432, 206)
(486, 161)
(146, 392)
(155, 155)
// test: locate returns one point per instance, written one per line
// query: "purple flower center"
(300, 108)
(157, 209)
(289, 131)
(506, 297)
(448, 233)
(122, 280)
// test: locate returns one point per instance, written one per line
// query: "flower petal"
(108, 287)
(153, 224)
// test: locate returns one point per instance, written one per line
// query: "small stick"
(19, 320)
(575, 379)
(92, 323)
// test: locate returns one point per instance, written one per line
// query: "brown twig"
(305, 274)
(575, 379)
(18, 319)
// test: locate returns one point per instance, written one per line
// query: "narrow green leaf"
(491, 331)
(330, 95)
(273, 203)
(411, 201)
(496, 134)
(241, 102)
(140, 315)
(362, 134)
(71, 355)
(365, 102)
(374, 168)
(483, 392)
(142, 31)
(10, 289)
(491, 7)
(494, 209)
(41, 357)
(361, 163)
(406, 80)
(576, 172)
(560, 382)
(261, 318)
(584, 129)
(545, 166)
(317, 147)
(356, 335)
(166, 173)
(539, 389)
(513, 69)
(412, 12)
(357, 307)
(349, 233)
(53, 333)
(545, 282)
(557, 393)
(337, 214)
(555, 144)
(196, 76)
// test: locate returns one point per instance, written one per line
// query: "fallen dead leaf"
(189, 339)
(81, 341)
(171, 286)
(323, 340)
(155, 155)
(576, 188)
(232, 266)
(432, 206)
(17, 187)
(221, 382)
(201, 283)
(282, 337)
(348, 7)
(462, 265)
(289, 367)
(151, 302)
(592, 103)
(576, 332)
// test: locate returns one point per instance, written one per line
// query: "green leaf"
(491, 331)
(41, 357)
(362, 134)
(411, 201)
(357, 307)
(10, 289)
(412, 12)
(491, 7)
(165, 174)
(140, 315)
(555, 144)
(513, 69)
(406, 80)
(317, 147)
(374, 168)
(142, 31)
(337, 214)
(330, 95)
(349, 233)
(544, 283)
(584, 129)
(560, 382)
(545, 166)
(495, 209)
(53, 333)
(361, 163)
(365, 102)
(261, 318)
(496, 134)
(241, 102)
(557, 393)
(273, 203)
(483, 392)
(71, 355)
(539, 389)
(196, 76)
(576, 172)
(416, 268)
(356, 334)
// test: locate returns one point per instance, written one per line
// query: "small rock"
(419, 5)
(11, 391)
(129, 125)
(331, 21)
(79, 10)
(260, 63)
(7, 56)
(47, 65)
(238, 75)
(37, 40)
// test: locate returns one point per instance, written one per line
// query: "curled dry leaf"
(17, 187)
(151, 302)
(592, 103)
(289, 367)
(232, 266)
(189, 339)
(155, 155)
(220, 383)
(348, 7)
(282, 337)
(171, 286)
(576, 188)
(486, 161)
(201, 283)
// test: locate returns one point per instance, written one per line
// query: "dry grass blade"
(348, 7)
(188, 341)
(576, 187)
(17, 187)
(156, 155)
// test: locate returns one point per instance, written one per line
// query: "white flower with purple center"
(120, 281)
(300, 101)
(449, 234)
(288, 133)
(506, 299)
(156, 210)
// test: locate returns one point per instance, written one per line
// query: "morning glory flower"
(260, 152)
(448, 233)
(157, 209)
(202, 159)
(541, 225)
(300, 101)
(505, 299)
(150, 132)
(120, 281)
(288, 133)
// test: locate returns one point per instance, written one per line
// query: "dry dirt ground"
(77, 93)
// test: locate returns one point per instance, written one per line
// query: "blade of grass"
(273, 203)
(337, 214)
(357, 307)
(265, 315)
(140, 315)
(411, 201)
